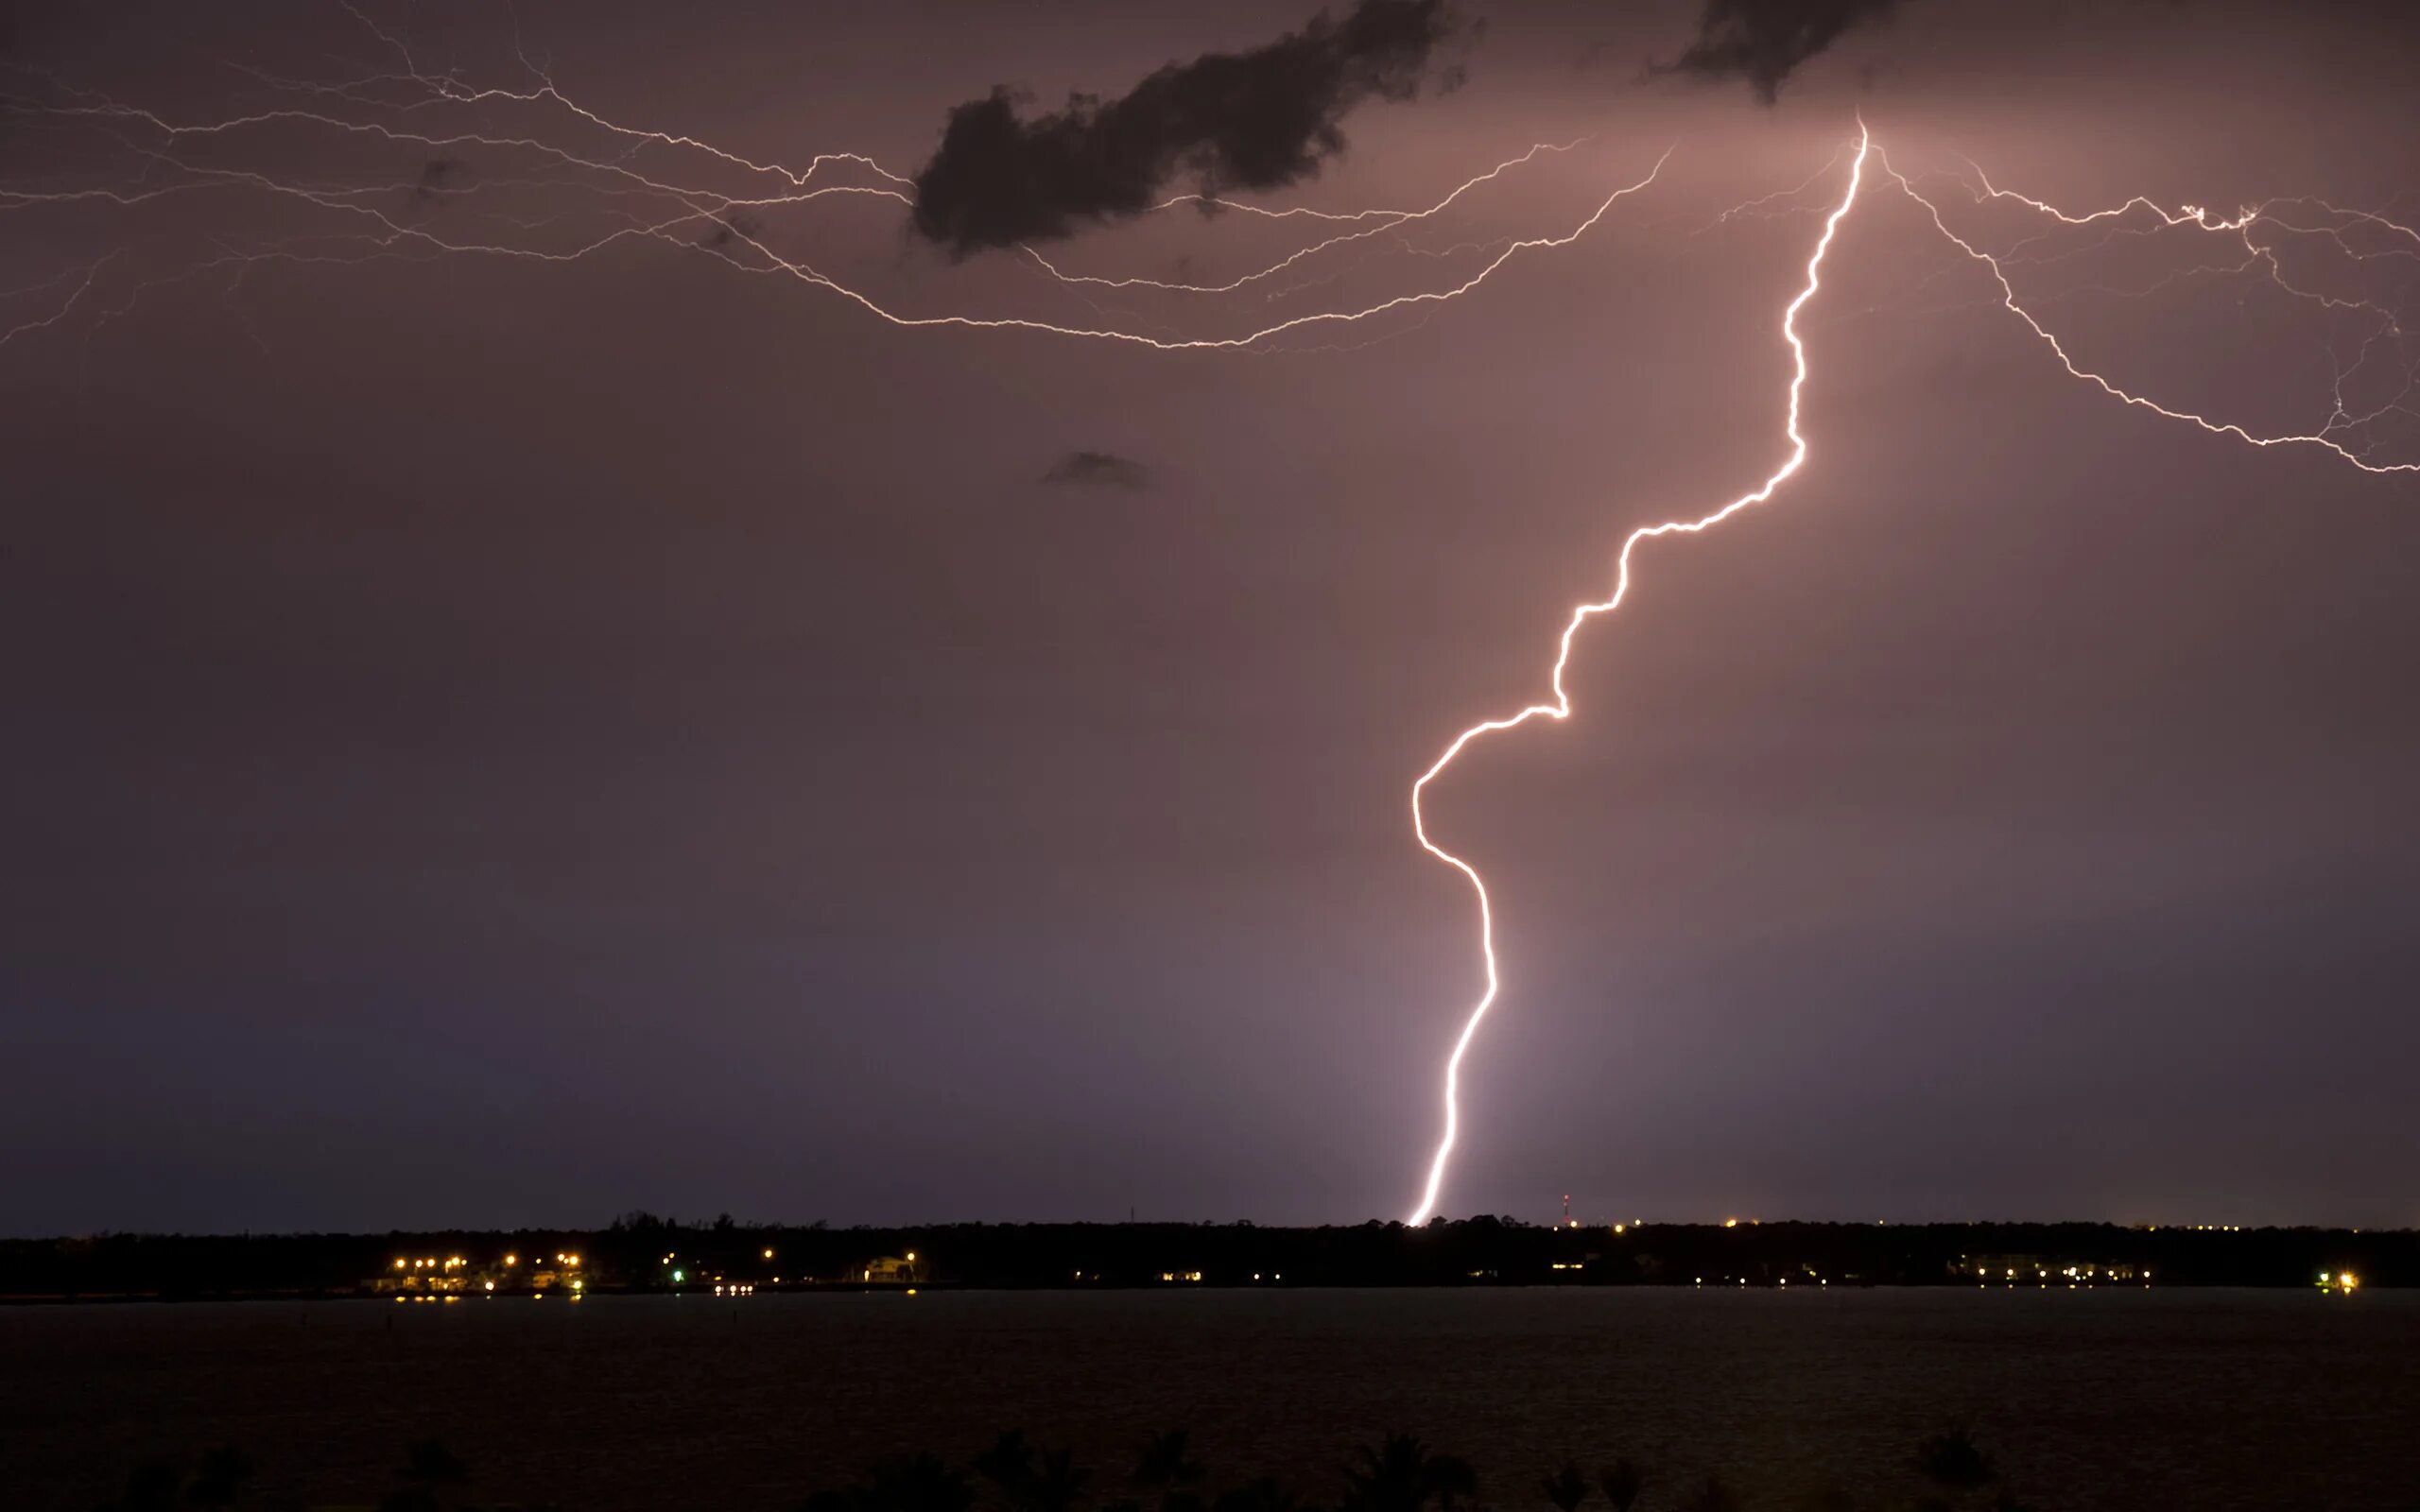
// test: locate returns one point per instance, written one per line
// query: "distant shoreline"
(641, 1255)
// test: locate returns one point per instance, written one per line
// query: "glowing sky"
(505, 743)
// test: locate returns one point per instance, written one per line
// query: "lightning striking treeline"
(410, 165)
(2355, 435)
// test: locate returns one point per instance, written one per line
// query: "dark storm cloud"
(1764, 41)
(1099, 470)
(1252, 120)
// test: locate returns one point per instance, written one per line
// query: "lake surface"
(2089, 1399)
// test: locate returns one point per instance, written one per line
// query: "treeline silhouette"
(1947, 1472)
(643, 1252)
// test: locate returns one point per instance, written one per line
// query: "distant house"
(897, 1270)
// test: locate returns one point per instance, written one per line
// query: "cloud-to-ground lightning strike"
(1561, 706)
(628, 196)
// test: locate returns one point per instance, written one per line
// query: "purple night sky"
(493, 740)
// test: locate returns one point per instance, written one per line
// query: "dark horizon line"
(725, 1223)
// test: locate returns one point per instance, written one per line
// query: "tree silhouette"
(1053, 1484)
(1712, 1496)
(1398, 1473)
(916, 1483)
(1953, 1461)
(427, 1466)
(1060, 1482)
(152, 1488)
(1162, 1463)
(1566, 1487)
(221, 1477)
(429, 1463)
(1163, 1466)
(1266, 1494)
(1447, 1477)
(1393, 1477)
(1009, 1464)
(1621, 1482)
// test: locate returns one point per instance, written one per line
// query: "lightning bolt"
(618, 174)
(2240, 225)
(1561, 706)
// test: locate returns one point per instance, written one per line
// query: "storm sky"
(492, 741)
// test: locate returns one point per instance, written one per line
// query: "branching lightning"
(586, 184)
(637, 204)
(2340, 422)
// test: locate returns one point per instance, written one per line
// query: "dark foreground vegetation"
(1946, 1472)
(641, 1252)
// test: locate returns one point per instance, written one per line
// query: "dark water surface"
(2090, 1400)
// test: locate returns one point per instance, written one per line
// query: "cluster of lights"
(736, 1289)
(1180, 1275)
(453, 1273)
(2342, 1281)
(2076, 1275)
